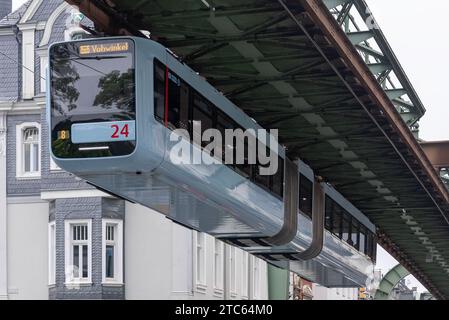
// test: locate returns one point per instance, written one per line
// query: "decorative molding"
(6, 32)
(34, 106)
(71, 194)
(50, 23)
(42, 51)
(41, 25)
(27, 26)
(28, 62)
(24, 200)
(30, 11)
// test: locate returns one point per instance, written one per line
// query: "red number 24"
(123, 132)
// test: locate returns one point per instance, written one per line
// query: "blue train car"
(115, 108)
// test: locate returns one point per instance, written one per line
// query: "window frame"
(233, 271)
(20, 154)
(118, 251)
(218, 267)
(245, 275)
(200, 275)
(256, 277)
(69, 279)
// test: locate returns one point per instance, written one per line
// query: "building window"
(78, 251)
(256, 278)
(51, 253)
(233, 270)
(28, 150)
(112, 251)
(245, 272)
(218, 266)
(200, 260)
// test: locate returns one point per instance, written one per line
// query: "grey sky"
(417, 36)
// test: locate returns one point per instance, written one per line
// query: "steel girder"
(389, 281)
(358, 22)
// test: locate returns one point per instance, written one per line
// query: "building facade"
(62, 239)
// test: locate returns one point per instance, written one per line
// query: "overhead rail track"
(359, 24)
(290, 65)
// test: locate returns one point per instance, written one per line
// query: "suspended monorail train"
(113, 107)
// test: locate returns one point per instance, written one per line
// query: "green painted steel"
(389, 281)
(357, 20)
(278, 283)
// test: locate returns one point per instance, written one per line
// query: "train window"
(278, 179)
(184, 106)
(355, 233)
(346, 228)
(245, 169)
(328, 214)
(224, 122)
(337, 219)
(159, 90)
(374, 248)
(261, 180)
(305, 195)
(203, 118)
(342, 224)
(370, 245)
(174, 100)
(187, 107)
(362, 239)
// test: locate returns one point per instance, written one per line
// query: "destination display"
(104, 48)
(103, 132)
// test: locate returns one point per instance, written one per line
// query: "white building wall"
(158, 257)
(323, 293)
(160, 262)
(28, 250)
(148, 258)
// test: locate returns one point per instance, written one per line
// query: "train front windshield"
(92, 92)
